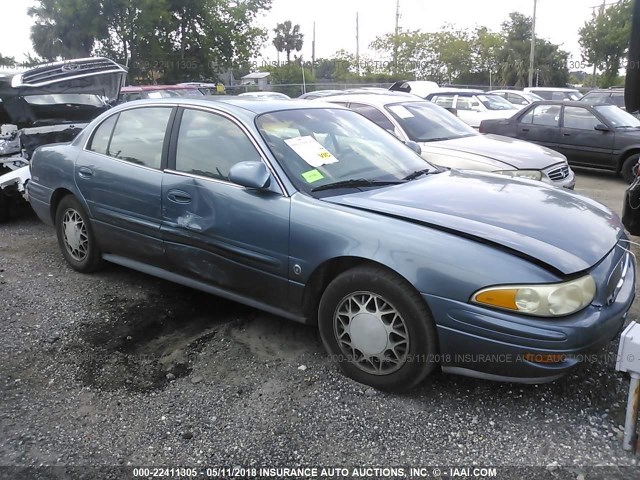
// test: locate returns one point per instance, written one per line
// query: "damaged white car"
(46, 104)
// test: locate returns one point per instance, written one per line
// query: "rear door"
(582, 143)
(119, 174)
(541, 125)
(214, 230)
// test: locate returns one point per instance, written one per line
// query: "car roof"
(457, 91)
(507, 90)
(568, 103)
(144, 88)
(606, 90)
(233, 103)
(550, 89)
(376, 99)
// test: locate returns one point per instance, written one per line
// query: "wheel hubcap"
(371, 333)
(74, 230)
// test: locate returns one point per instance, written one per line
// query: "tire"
(75, 236)
(628, 170)
(5, 209)
(361, 343)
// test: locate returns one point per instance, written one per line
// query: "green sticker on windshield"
(312, 176)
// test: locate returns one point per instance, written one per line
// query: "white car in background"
(519, 98)
(473, 106)
(447, 141)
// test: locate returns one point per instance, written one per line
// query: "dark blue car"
(312, 212)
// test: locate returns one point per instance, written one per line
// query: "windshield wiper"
(419, 173)
(355, 183)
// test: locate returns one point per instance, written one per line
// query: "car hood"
(565, 231)
(97, 76)
(510, 151)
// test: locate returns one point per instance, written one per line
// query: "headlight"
(553, 300)
(528, 174)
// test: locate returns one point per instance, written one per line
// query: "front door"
(216, 231)
(581, 143)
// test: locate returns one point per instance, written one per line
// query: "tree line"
(177, 40)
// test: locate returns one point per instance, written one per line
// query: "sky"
(557, 20)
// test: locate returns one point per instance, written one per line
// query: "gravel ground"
(119, 368)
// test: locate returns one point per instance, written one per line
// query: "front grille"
(558, 173)
(73, 68)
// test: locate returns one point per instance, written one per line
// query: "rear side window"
(138, 136)
(544, 115)
(102, 135)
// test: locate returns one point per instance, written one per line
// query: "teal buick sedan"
(312, 212)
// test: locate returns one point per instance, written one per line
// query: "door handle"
(178, 196)
(525, 129)
(566, 134)
(85, 172)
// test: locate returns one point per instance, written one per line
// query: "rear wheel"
(378, 328)
(629, 168)
(75, 236)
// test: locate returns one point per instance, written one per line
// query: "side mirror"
(602, 128)
(414, 146)
(452, 110)
(250, 175)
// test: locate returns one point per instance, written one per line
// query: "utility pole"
(358, 43)
(313, 51)
(395, 40)
(532, 55)
(594, 78)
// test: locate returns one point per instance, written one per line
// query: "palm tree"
(288, 38)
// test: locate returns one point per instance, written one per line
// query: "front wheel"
(378, 328)
(629, 168)
(75, 236)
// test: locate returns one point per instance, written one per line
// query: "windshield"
(617, 117)
(427, 122)
(65, 99)
(320, 146)
(495, 102)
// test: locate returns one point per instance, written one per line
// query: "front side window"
(579, 118)
(138, 136)
(210, 144)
